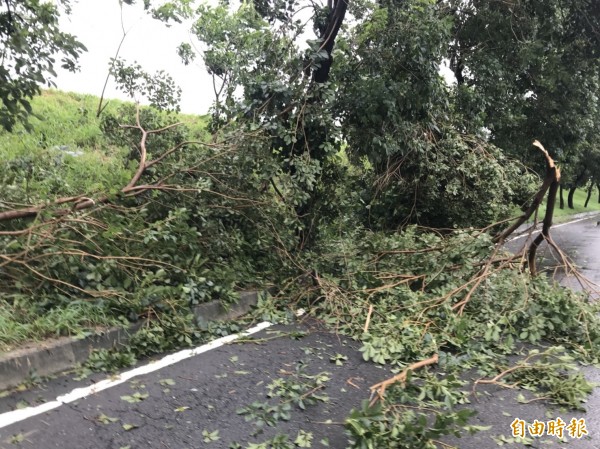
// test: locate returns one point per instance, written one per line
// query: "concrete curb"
(216, 311)
(54, 356)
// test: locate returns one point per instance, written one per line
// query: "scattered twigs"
(442, 444)
(368, 320)
(496, 380)
(483, 273)
(61, 228)
(404, 279)
(26, 230)
(171, 151)
(462, 304)
(490, 226)
(475, 281)
(378, 390)
(571, 270)
(522, 364)
(34, 210)
(102, 107)
(350, 380)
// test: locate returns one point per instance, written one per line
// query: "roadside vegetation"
(580, 197)
(363, 188)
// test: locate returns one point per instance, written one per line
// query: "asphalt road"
(579, 240)
(181, 405)
(195, 403)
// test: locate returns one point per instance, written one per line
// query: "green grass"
(34, 161)
(36, 166)
(566, 214)
(37, 162)
(22, 321)
(562, 215)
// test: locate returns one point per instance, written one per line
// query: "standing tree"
(269, 83)
(529, 69)
(397, 113)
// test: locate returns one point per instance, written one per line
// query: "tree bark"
(577, 183)
(562, 198)
(315, 136)
(552, 177)
(598, 186)
(334, 22)
(589, 195)
(570, 197)
(553, 174)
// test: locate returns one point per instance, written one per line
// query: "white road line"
(527, 234)
(9, 418)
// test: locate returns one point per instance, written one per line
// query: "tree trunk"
(589, 195)
(598, 185)
(578, 181)
(546, 224)
(316, 136)
(328, 35)
(552, 180)
(562, 198)
(570, 197)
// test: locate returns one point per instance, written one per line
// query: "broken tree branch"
(552, 176)
(554, 173)
(378, 390)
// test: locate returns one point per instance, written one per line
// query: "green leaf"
(303, 439)
(104, 419)
(134, 398)
(209, 436)
(182, 408)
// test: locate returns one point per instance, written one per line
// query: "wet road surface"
(196, 403)
(580, 240)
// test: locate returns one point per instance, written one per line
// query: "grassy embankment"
(578, 203)
(64, 154)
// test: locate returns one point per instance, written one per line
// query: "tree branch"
(378, 390)
(552, 175)
(336, 18)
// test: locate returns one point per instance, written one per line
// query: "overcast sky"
(97, 24)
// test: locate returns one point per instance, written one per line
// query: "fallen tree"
(173, 235)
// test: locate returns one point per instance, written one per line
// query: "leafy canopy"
(30, 40)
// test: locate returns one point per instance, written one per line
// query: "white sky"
(97, 24)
